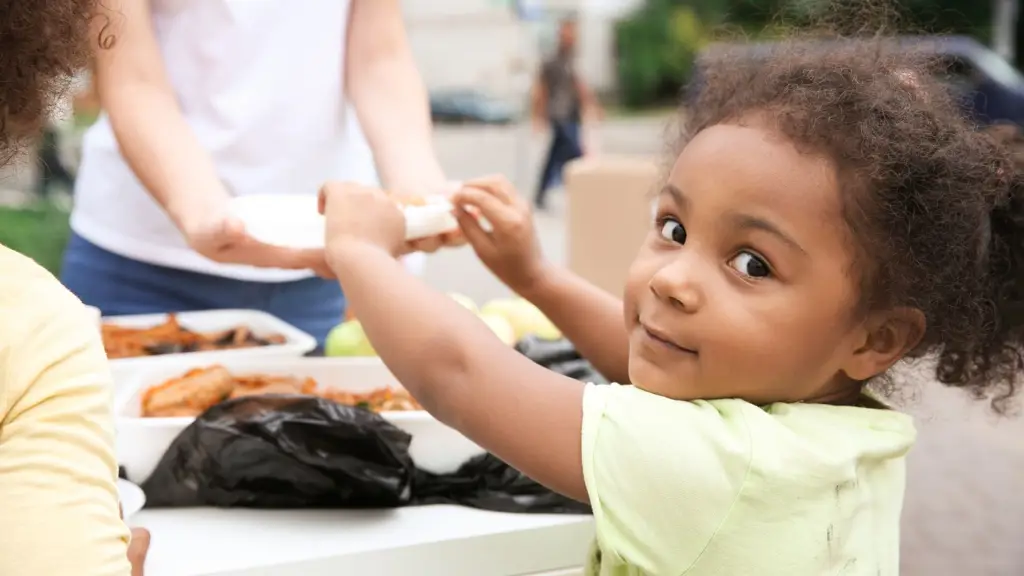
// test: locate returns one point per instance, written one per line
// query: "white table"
(419, 540)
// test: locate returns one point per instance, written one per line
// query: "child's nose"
(678, 283)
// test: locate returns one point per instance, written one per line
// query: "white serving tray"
(297, 342)
(141, 442)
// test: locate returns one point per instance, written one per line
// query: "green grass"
(648, 112)
(85, 119)
(39, 231)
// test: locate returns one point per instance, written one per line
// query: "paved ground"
(964, 513)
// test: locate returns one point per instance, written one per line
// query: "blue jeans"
(565, 146)
(118, 285)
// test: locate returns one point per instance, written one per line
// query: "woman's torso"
(261, 84)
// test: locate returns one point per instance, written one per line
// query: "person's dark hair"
(43, 43)
(934, 205)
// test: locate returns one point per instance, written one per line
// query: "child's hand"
(510, 249)
(360, 215)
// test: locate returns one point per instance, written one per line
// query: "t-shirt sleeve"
(58, 472)
(661, 474)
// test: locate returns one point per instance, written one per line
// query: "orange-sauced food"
(197, 390)
(173, 338)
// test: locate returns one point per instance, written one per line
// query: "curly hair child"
(829, 213)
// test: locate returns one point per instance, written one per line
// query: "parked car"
(989, 87)
(460, 106)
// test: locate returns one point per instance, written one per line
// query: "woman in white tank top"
(209, 99)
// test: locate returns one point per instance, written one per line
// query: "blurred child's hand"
(360, 215)
(510, 248)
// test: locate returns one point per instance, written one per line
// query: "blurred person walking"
(562, 101)
(204, 100)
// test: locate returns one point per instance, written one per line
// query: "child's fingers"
(472, 231)
(138, 548)
(497, 186)
(494, 209)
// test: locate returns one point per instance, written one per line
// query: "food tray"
(141, 442)
(296, 342)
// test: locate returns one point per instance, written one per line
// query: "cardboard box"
(609, 215)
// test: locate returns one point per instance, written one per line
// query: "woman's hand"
(221, 237)
(431, 244)
(510, 249)
(451, 239)
(360, 216)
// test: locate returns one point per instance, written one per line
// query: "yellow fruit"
(466, 301)
(501, 328)
(525, 318)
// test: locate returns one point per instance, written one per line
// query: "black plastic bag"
(292, 451)
(559, 356)
(285, 451)
(488, 483)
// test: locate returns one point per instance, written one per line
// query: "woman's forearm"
(390, 99)
(155, 140)
(163, 152)
(588, 316)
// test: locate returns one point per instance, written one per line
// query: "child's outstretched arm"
(588, 316)
(447, 358)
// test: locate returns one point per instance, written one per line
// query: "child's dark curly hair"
(934, 206)
(43, 43)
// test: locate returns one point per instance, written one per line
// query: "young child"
(828, 213)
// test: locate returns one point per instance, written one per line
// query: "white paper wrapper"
(293, 221)
(429, 220)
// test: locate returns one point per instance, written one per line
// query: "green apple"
(501, 328)
(466, 301)
(348, 339)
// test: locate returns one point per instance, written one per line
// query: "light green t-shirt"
(724, 487)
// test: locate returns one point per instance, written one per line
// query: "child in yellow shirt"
(58, 492)
(58, 475)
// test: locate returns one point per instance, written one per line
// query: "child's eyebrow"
(748, 222)
(676, 194)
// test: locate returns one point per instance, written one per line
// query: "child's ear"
(887, 337)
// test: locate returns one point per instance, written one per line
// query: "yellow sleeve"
(662, 474)
(58, 493)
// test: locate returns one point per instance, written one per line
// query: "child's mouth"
(662, 339)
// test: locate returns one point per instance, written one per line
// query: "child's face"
(743, 286)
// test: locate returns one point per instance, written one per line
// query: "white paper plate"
(132, 497)
(281, 219)
(293, 220)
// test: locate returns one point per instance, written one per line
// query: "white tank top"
(260, 82)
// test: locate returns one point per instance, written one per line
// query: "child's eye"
(750, 265)
(673, 231)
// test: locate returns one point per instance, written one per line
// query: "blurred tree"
(39, 231)
(656, 44)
